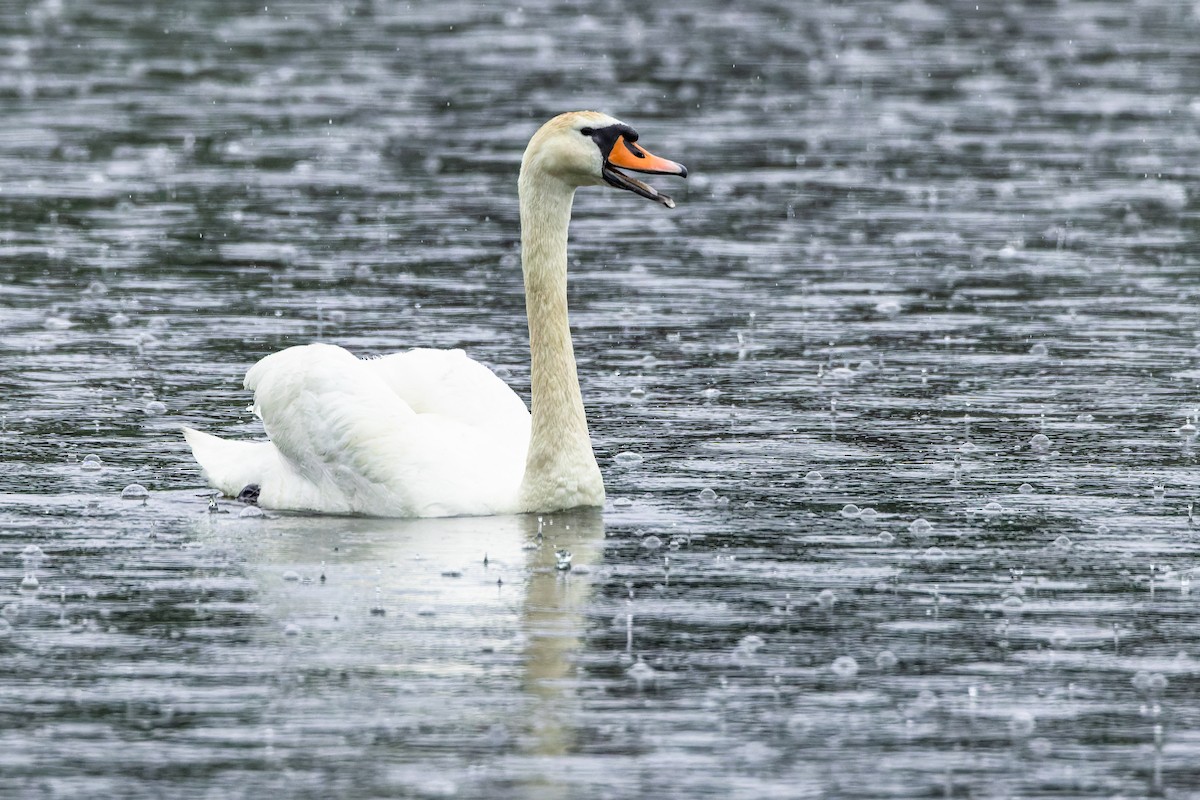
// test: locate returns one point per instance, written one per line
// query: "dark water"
(916, 238)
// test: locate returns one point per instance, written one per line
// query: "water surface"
(906, 379)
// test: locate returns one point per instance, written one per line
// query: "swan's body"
(429, 433)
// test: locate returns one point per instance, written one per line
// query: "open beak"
(631, 156)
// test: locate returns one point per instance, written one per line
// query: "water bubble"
(967, 447)
(1025, 488)
(1022, 723)
(886, 659)
(1085, 418)
(1039, 350)
(850, 511)
(920, 527)
(1063, 543)
(1188, 430)
(30, 582)
(1159, 491)
(641, 672)
(1101, 528)
(154, 408)
(926, 701)
(251, 512)
(652, 543)
(886, 537)
(993, 509)
(710, 394)
(888, 308)
(291, 629)
(1141, 681)
(637, 393)
(826, 598)
(814, 477)
(135, 491)
(32, 557)
(118, 320)
(1012, 603)
(868, 514)
(291, 576)
(707, 497)
(1157, 682)
(622, 502)
(841, 373)
(1060, 639)
(91, 462)
(866, 367)
(844, 667)
(628, 458)
(751, 643)
(1040, 443)
(935, 553)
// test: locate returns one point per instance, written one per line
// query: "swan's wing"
(422, 435)
(448, 383)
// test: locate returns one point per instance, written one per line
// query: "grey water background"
(893, 408)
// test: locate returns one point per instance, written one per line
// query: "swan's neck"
(560, 469)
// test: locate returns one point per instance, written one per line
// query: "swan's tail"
(231, 466)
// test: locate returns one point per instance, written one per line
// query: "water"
(994, 208)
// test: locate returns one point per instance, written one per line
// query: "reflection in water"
(458, 596)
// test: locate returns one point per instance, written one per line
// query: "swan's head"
(586, 148)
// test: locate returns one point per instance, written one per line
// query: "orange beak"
(628, 155)
(631, 156)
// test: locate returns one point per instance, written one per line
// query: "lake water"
(896, 409)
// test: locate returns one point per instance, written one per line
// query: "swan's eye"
(586, 131)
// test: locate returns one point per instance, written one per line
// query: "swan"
(432, 433)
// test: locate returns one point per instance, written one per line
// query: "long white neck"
(560, 468)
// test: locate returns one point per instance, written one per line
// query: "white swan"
(431, 433)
